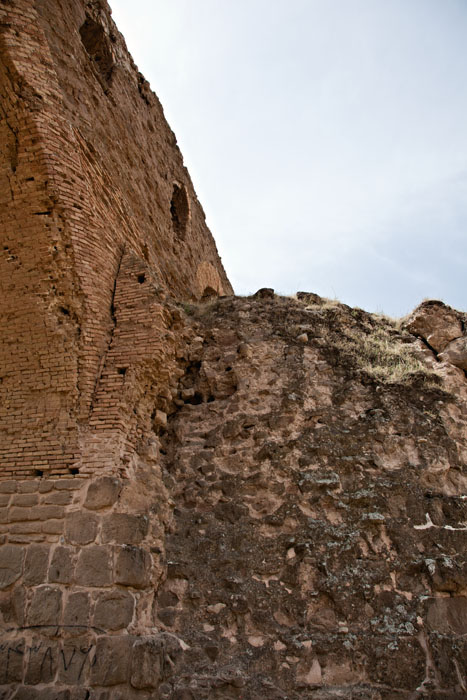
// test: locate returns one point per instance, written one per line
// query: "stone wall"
(91, 177)
(201, 497)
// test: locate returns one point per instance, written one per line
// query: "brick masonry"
(91, 179)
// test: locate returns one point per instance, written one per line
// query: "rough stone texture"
(455, 352)
(97, 227)
(201, 497)
(436, 323)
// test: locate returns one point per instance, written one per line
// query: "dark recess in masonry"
(180, 210)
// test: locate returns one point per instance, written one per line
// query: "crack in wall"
(113, 318)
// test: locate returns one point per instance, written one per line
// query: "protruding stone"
(160, 419)
(147, 663)
(436, 323)
(264, 293)
(456, 353)
(102, 493)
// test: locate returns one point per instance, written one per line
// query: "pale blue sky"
(326, 139)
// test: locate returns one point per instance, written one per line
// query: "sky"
(326, 139)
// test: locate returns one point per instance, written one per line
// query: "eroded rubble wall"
(224, 498)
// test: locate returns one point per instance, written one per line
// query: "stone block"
(69, 484)
(76, 658)
(12, 606)
(53, 527)
(102, 493)
(41, 662)
(150, 663)
(77, 608)
(81, 528)
(61, 566)
(448, 615)
(12, 655)
(46, 606)
(112, 661)
(25, 499)
(123, 528)
(60, 498)
(94, 566)
(29, 693)
(45, 486)
(114, 610)
(8, 486)
(30, 486)
(146, 663)
(25, 528)
(133, 567)
(36, 564)
(11, 564)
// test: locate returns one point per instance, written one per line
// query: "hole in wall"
(141, 278)
(196, 399)
(73, 470)
(97, 45)
(122, 370)
(63, 310)
(208, 293)
(180, 210)
(38, 472)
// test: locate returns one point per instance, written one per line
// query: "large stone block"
(94, 567)
(102, 493)
(41, 661)
(112, 661)
(11, 564)
(124, 528)
(36, 564)
(146, 663)
(76, 658)
(12, 655)
(76, 613)
(80, 528)
(46, 606)
(133, 567)
(61, 566)
(154, 659)
(114, 610)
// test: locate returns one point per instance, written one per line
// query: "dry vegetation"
(385, 356)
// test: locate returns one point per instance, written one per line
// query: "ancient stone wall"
(201, 497)
(91, 176)
(294, 527)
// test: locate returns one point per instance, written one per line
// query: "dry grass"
(384, 356)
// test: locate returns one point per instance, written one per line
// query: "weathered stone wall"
(239, 498)
(91, 177)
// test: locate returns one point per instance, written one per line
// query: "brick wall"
(91, 177)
